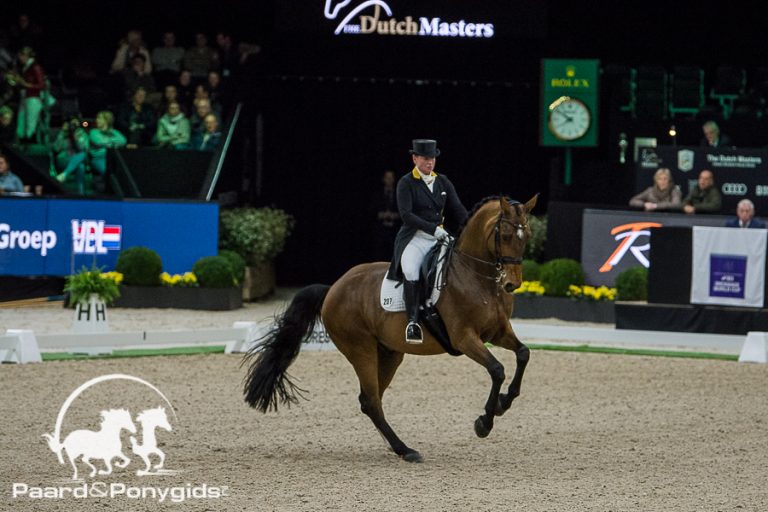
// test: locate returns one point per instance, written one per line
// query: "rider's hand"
(440, 233)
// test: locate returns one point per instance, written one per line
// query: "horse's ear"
(531, 203)
(504, 204)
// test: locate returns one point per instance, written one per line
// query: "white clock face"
(569, 118)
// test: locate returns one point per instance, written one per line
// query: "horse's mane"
(474, 210)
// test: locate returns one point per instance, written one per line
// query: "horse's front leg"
(476, 350)
(522, 355)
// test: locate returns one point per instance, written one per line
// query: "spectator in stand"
(663, 195)
(136, 77)
(31, 77)
(201, 58)
(132, 45)
(704, 197)
(228, 54)
(202, 109)
(25, 32)
(203, 93)
(185, 90)
(173, 128)
(745, 217)
(167, 59)
(136, 120)
(217, 91)
(713, 137)
(70, 148)
(103, 137)
(210, 138)
(9, 182)
(7, 128)
(170, 95)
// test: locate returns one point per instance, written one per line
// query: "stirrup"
(413, 335)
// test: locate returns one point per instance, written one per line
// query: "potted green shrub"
(258, 235)
(89, 292)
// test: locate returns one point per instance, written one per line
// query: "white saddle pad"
(391, 298)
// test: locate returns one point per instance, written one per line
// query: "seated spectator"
(136, 77)
(201, 58)
(713, 137)
(210, 138)
(127, 48)
(202, 108)
(167, 59)
(173, 128)
(103, 137)
(9, 182)
(70, 149)
(185, 90)
(228, 55)
(663, 195)
(202, 93)
(170, 95)
(704, 197)
(745, 216)
(7, 127)
(217, 91)
(136, 119)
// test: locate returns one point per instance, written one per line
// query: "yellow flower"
(117, 277)
(530, 288)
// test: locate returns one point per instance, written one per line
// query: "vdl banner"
(59, 236)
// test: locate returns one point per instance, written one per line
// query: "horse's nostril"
(509, 287)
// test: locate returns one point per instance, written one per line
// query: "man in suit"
(713, 138)
(422, 197)
(745, 217)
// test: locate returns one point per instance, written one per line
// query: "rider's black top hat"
(425, 147)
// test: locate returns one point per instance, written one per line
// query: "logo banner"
(728, 266)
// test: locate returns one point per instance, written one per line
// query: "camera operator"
(70, 149)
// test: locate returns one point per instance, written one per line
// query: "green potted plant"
(258, 235)
(89, 293)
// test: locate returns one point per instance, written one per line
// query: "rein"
(501, 260)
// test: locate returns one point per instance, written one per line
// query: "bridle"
(500, 259)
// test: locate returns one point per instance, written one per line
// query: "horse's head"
(497, 232)
(118, 418)
(155, 417)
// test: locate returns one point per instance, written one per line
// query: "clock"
(569, 118)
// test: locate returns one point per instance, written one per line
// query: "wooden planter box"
(259, 281)
(214, 299)
(564, 309)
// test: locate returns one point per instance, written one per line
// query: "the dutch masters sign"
(569, 92)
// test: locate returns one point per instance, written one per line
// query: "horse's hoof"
(480, 429)
(412, 456)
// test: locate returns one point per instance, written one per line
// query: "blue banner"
(59, 236)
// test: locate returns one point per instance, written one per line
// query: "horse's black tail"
(267, 382)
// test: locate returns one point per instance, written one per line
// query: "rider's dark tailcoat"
(421, 209)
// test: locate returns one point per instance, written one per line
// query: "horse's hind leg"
(370, 374)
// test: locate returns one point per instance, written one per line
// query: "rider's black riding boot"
(412, 298)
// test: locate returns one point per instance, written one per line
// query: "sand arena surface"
(590, 432)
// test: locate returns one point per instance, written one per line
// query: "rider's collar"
(417, 174)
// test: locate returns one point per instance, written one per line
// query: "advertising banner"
(59, 236)
(739, 173)
(615, 240)
(728, 266)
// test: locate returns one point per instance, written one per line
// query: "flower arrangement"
(257, 234)
(530, 288)
(575, 292)
(597, 294)
(185, 280)
(85, 283)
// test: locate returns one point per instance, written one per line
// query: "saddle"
(432, 279)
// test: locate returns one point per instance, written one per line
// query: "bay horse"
(484, 269)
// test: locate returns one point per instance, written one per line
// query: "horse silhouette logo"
(332, 8)
(105, 445)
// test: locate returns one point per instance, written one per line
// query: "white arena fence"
(23, 346)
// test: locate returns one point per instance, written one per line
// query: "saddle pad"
(391, 298)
